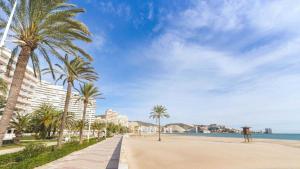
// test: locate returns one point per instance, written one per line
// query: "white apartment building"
(29, 82)
(111, 116)
(56, 95)
(34, 92)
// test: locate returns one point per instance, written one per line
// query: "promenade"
(103, 155)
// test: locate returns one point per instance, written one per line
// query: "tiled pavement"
(103, 155)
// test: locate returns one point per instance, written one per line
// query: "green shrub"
(44, 155)
(33, 149)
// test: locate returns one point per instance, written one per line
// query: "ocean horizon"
(276, 136)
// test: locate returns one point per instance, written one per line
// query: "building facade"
(114, 117)
(28, 86)
(35, 92)
(56, 95)
(142, 128)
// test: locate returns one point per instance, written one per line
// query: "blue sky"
(228, 62)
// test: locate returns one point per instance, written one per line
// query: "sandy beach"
(190, 152)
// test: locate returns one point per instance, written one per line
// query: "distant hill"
(185, 126)
(144, 123)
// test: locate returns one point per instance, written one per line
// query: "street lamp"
(89, 126)
(8, 25)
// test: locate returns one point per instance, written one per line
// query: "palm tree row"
(45, 121)
(72, 71)
(47, 29)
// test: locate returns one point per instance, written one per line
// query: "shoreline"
(274, 136)
(178, 152)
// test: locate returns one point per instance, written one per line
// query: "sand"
(190, 152)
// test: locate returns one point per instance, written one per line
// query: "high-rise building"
(56, 95)
(29, 82)
(35, 92)
(268, 131)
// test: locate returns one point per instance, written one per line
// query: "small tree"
(44, 120)
(19, 123)
(99, 126)
(157, 113)
(79, 125)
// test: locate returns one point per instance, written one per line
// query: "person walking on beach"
(247, 133)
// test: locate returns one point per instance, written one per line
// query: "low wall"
(123, 164)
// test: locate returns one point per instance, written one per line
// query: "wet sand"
(190, 152)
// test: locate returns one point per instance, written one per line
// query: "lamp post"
(88, 137)
(8, 25)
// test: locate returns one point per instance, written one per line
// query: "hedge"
(36, 155)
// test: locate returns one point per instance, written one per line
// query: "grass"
(9, 146)
(23, 143)
(21, 160)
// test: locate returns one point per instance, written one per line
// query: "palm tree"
(79, 125)
(73, 70)
(44, 120)
(99, 126)
(39, 27)
(87, 92)
(19, 123)
(157, 113)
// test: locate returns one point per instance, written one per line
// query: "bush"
(33, 149)
(42, 156)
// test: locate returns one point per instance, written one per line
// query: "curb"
(123, 164)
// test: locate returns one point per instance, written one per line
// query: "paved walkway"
(103, 155)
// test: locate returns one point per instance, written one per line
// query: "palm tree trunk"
(64, 115)
(159, 139)
(54, 131)
(15, 88)
(17, 138)
(83, 122)
(49, 131)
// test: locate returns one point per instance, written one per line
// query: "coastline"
(274, 136)
(286, 142)
(179, 152)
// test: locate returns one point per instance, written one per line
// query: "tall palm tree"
(157, 113)
(19, 123)
(73, 70)
(87, 92)
(39, 28)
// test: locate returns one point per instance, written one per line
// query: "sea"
(278, 136)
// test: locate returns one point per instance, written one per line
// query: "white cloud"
(118, 9)
(204, 84)
(231, 15)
